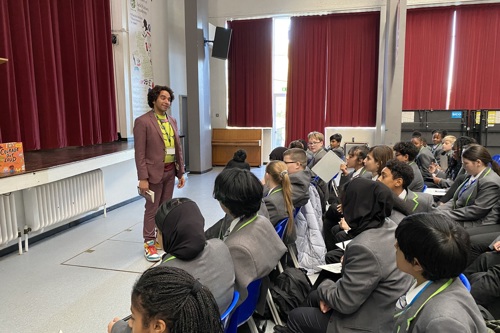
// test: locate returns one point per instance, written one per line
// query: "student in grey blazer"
(252, 241)
(397, 175)
(476, 201)
(278, 198)
(406, 151)
(433, 250)
(424, 158)
(363, 299)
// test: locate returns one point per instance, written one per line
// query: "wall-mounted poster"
(140, 54)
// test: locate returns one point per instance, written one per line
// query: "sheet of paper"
(334, 268)
(342, 245)
(328, 166)
(436, 191)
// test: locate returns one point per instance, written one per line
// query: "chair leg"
(293, 256)
(252, 326)
(274, 310)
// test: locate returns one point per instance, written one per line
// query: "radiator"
(59, 201)
(8, 219)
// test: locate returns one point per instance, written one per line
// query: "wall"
(222, 10)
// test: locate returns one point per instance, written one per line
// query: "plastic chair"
(425, 188)
(496, 158)
(280, 227)
(243, 313)
(465, 281)
(225, 316)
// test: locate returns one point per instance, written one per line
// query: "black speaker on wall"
(221, 43)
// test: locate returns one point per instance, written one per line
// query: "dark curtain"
(307, 68)
(352, 69)
(427, 55)
(57, 89)
(250, 73)
(477, 51)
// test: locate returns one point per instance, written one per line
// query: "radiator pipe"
(27, 230)
(19, 242)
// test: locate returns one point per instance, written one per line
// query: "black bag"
(290, 290)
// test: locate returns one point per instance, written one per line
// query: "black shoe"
(281, 329)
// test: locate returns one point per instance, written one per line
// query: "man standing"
(158, 159)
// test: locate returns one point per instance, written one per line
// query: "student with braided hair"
(169, 300)
(278, 196)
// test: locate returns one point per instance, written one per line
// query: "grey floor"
(78, 280)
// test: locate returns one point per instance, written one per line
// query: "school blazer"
(417, 184)
(478, 204)
(423, 160)
(363, 300)
(150, 148)
(418, 202)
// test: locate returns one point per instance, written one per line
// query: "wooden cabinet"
(226, 141)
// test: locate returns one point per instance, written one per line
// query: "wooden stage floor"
(44, 159)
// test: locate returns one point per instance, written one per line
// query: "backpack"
(290, 290)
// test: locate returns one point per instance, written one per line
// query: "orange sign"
(11, 157)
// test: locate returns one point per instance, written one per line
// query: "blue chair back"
(225, 316)
(280, 227)
(425, 188)
(465, 281)
(496, 158)
(246, 309)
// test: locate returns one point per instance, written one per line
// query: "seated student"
(180, 226)
(437, 143)
(397, 175)
(484, 277)
(297, 144)
(277, 154)
(239, 160)
(278, 197)
(167, 300)
(446, 178)
(445, 154)
(433, 250)
(423, 159)
(331, 219)
(308, 222)
(475, 203)
(363, 299)
(316, 147)
(376, 158)
(406, 151)
(252, 241)
(335, 141)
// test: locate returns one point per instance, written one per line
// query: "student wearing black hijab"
(180, 224)
(363, 298)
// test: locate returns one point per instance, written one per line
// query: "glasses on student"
(312, 143)
(289, 162)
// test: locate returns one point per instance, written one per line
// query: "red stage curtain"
(427, 55)
(477, 50)
(57, 89)
(250, 73)
(307, 68)
(352, 69)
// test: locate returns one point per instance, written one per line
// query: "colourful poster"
(11, 157)
(140, 54)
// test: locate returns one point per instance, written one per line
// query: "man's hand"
(181, 183)
(435, 179)
(111, 323)
(496, 246)
(143, 185)
(324, 307)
